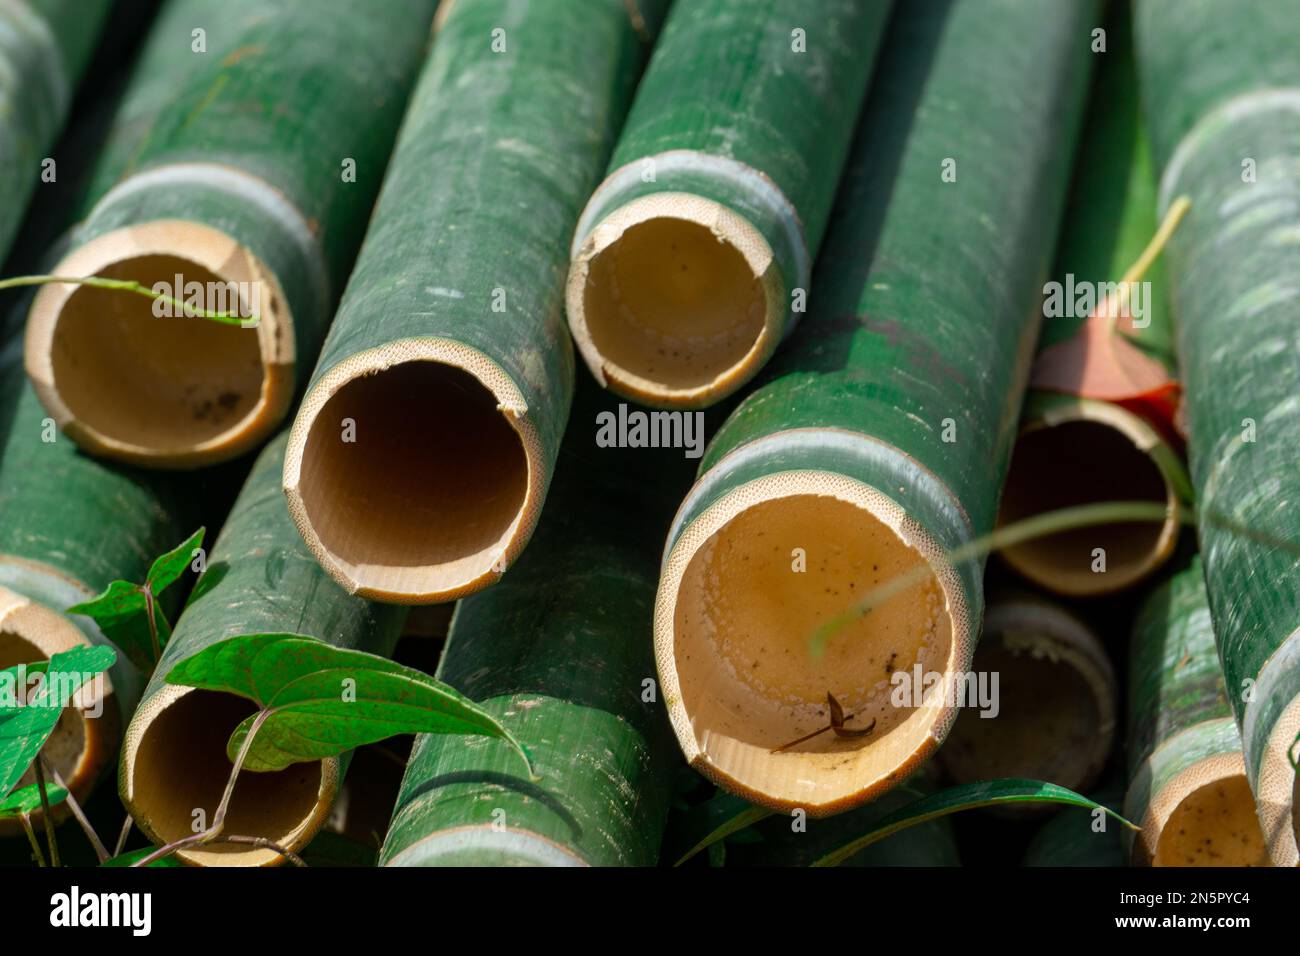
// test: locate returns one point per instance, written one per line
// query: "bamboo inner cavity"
(673, 302)
(750, 679)
(1214, 825)
(181, 767)
(1047, 722)
(1079, 463)
(413, 479)
(162, 383)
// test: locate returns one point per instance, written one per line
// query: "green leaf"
(24, 729)
(122, 610)
(168, 568)
(122, 614)
(120, 601)
(28, 799)
(986, 793)
(324, 701)
(129, 859)
(709, 823)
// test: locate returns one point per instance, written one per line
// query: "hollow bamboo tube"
(1052, 713)
(1188, 788)
(1077, 838)
(44, 47)
(923, 325)
(1221, 89)
(1086, 438)
(787, 841)
(222, 189)
(69, 525)
(691, 261)
(259, 579)
(558, 653)
(420, 458)
(1077, 451)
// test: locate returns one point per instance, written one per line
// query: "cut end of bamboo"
(175, 769)
(734, 622)
(1053, 715)
(675, 301)
(86, 737)
(415, 473)
(127, 380)
(1085, 452)
(1277, 789)
(1204, 816)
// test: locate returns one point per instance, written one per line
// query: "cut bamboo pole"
(558, 652)
(1051, 715)
(837, 477)
(1222, 97)
(228, 202)
(69, 525)
(1188, 788)
(1076, 451)
(85, 739)
(44, 47)
(1099, 429)
(422, 453)
(260, 578)
(691, 261)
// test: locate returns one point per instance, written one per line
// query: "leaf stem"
(128, 285)
(75, 807)
(264, 843)
(1149, 255)
(31, 838)
(147, 591)
(50, 839)
(122, 835)
(1036, 526)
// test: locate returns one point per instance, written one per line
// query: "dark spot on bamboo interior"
(170, 391)
(740, 621)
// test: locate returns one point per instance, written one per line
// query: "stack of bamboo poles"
(1222, 94)
(836, 475)
(411, 219)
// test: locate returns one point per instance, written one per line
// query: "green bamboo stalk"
(691, 261)
(70, 525)
(1187, 777)
(883, 437)
(1075, 451)
(558, 652)
(1075, 838)
(454, 307)
(1052, 714)
(45, 45)
(251, 149)
(260, 578)
(1221, 89)
(1111, 213)
(791, 841)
